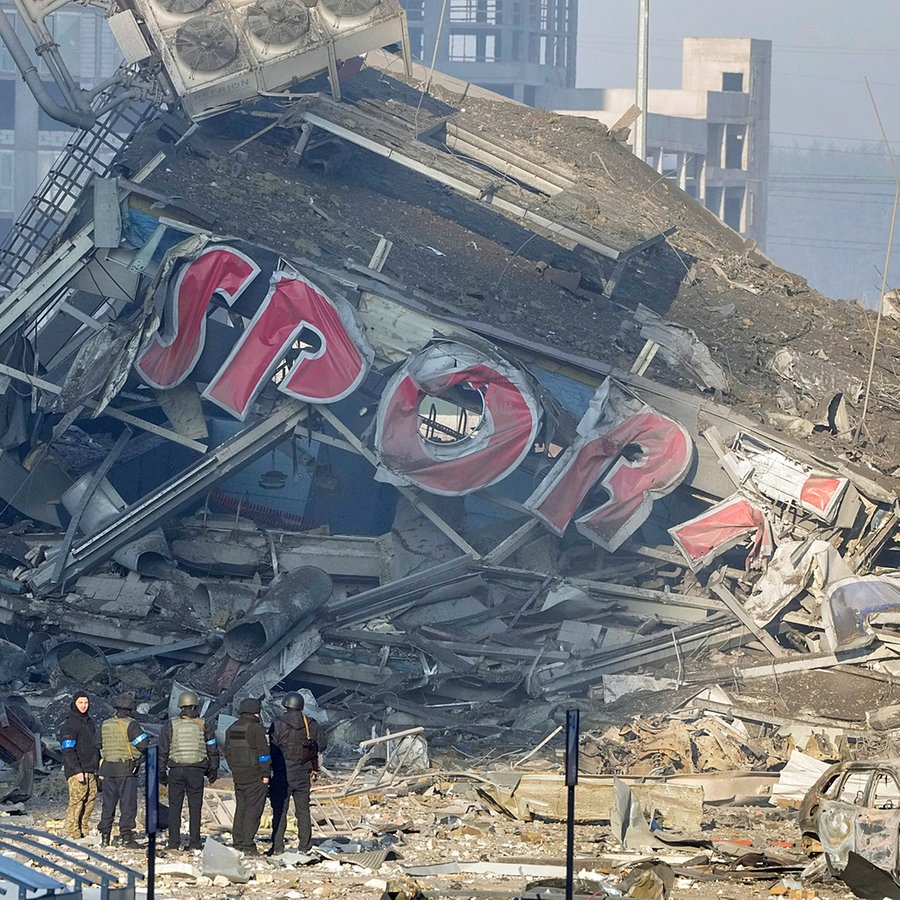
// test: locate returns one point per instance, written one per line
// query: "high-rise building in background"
(30, 140)
(711, 135)
(516, 48)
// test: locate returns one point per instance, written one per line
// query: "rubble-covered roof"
(659, 492)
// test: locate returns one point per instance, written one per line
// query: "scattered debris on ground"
(454, 415)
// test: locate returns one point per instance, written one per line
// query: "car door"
(837, 818)
(878, 822)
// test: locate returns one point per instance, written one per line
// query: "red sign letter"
(510, 419)
(168, 359)
(324, 375)
(662, 454)
(722, 527)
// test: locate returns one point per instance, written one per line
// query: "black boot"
(104, 838)
(126, 839)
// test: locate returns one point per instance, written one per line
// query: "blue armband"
(210, 742)
(264, 758)
(67, 744)
(141, 737)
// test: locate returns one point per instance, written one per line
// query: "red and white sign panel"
(173, 351)
(722, 527)
(635, 460)
(786, 480)
(821, 495)
(333, 367)
(510, 420)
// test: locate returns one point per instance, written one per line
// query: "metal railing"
(76, 869)
(88, 153)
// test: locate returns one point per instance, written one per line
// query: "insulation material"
(788, 575)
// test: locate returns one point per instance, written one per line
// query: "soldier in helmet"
(123, 743)
(247, 753)
(295, 739)
(187, 752)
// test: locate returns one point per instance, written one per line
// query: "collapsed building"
(446, 409)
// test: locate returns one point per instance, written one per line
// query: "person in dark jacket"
(187, 753)
(123, 744)
(80, 746)
(296, 740)
(247, 753)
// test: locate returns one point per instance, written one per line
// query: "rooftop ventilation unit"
(277, 23)
(206, 44)
(218, 53)
(351, 9)
(183, 7)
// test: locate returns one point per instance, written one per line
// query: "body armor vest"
(238, 751)
(114, 740)
(297, 744)
(188, 745)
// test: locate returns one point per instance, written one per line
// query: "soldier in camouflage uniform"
(80, 747)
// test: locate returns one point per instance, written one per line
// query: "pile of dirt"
(465, 259)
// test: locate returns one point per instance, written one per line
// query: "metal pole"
(860, 428)
(572, 717)
(151, 801)
(641, 86)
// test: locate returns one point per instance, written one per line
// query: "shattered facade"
(452, 414)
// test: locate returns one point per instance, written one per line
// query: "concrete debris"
(222, 861)
(650, 879)
(891, 305)
(322, 429)
(682, 349)
(799, 774)
(13, 662)
(817, 379)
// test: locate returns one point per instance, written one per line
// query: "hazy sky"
(822, 52)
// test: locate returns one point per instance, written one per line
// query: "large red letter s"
(169, 357)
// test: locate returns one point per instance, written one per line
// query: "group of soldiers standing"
(278, 764)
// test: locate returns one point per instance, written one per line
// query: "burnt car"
(853, 810)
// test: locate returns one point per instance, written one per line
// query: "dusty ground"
(446, 822)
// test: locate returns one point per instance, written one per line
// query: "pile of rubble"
(321, 451)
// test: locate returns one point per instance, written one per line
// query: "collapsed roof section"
(219, 325)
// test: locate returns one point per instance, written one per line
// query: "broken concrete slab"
(527, 796)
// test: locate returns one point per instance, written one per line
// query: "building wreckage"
(283, 406)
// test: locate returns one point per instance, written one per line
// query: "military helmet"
(188, 698)
(124, 701)
(293, 700)
(249, 705)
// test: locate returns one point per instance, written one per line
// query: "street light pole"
(641, 89)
